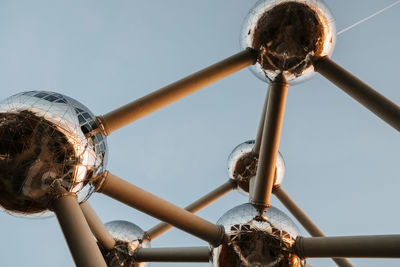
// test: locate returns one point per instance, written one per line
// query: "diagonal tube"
(257, 144)
(152, 205)
(97, 227)
(297, 212)
(304, 220)
(177, 254)
(194, 207)
(264, 179)
(152, 102)
(80, 240)
(374, 246)
(363, 93)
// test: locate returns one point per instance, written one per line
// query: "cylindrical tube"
(80, 240)
(194, 207)
(270, 142)
(361, 92)
(297, 212)
(182, 254)
(257, 144)
(146, 105)
(374, 246)
(304, 220)
(152, 205)
(97, 227)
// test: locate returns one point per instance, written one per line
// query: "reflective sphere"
(128, 237)
(47, 139)
(287, 34)
(242, 165)
(257, 240)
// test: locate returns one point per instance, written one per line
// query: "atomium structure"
(53, 156)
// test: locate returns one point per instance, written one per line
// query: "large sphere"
(257, 240)
(243, 162)
(128, 238)
(47, 139)
(287, 34)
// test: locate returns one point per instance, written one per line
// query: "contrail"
(369, 17)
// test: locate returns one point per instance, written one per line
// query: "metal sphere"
(128, 238)
(287, 34)
(47, 139)
(243, 162)
(257, 239)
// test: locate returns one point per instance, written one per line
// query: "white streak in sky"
(369, 17)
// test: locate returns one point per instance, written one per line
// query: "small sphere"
(243, 162)
(257, 239)
(128, 238)
(46, 140)
(287, 34)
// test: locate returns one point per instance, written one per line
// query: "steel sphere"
(287, 34)
(128, 238)
(47, 139)
(242, 166)
(257, 239)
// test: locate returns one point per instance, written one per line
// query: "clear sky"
(342, 163)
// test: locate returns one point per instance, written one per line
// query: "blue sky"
(341, 161)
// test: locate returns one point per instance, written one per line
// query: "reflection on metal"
(128, 237)
(47, 137)
(242, 166)
(53, 153)
(257, 240)
(286, 35)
